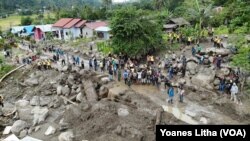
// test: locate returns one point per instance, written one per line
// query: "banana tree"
(201, 13)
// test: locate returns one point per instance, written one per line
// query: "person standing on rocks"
(82, 64)
(218, 62)
(170, 94)
(125, 76)
(90, 64)
(181, 93)
(234, 90)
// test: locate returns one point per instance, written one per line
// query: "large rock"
(66, 90)
(79, 97)
(18, 126)
(90, 91)
(40, 114)
(31, 82)
(23, 133)
(22, 103)
(103, 92)
(64, 68)
(35, 101)
(122, 112)
(204, 77)
(51, 130)
(222, 72)
(66, 136)
(105, 80)
(216, 82)
(45, 100)
(219, 51)
(192, 68)
(59, 90)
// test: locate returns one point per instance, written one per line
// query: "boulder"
(222, 72)
(103, 92)
(63, 125)
(59, 90)
(45, 100)
(23, 133)
(122, 112)
(104, 80)
(18, 126)
(78, 90)
(65, 68)
(66, 136)
(90, 91)
(22, 103)
(35, 101)
(219, 51)
(192, 68)
(204, 77)
(51, 130)
(216, 82)
(31, 82)
(66, 90)
(40, 114)
(79, 97)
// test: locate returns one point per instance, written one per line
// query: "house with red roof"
(69, 28)
(89, 28)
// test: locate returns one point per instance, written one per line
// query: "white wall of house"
(58, 29)
(87, 32)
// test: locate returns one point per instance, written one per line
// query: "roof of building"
(45, 28)
(72, 23)
(62, 22)
(94, 25)
(81, 23)
(28, 29)
(180, 21)
(16, 29)
(169, 26)
(103, 29)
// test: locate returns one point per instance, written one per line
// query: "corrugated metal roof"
(45, 28)
(16, 29)
(169, 26)
(72, 23)
(103, 29)
(62, 22)
(94, 25)
(81, 23)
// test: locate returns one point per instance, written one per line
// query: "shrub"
(221, 30)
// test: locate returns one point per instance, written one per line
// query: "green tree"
(26, 20)
(159, 4)
(107, 3)
(134, 33)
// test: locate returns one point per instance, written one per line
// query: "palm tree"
(201, 13)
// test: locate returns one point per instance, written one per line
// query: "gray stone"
(59, 90)
(103, 92)
(78, 90)
(63, 125)
(65, 68)
(31, 82)
(66, 136)
(65, 90)
(45, 100)
(35, 101)
(216, 82)
(22, 103)
(122, 112)
(37, 128)
(40, 114)
(192, 68)
(79, 97)
(105, 80)
(18, 126)
(50, 131)
(204, 77)
(90, 91)
(23, 133)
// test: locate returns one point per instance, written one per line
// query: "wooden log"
(9, 73)
(68, 100)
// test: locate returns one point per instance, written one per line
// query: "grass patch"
(104, 47)
(221, 30)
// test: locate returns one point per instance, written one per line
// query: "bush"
(221, 30)
(104, 47)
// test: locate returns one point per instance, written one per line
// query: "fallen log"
(68, 100)
(9, 73)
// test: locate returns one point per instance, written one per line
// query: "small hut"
(174, 23)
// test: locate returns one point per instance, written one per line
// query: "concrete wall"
(87, 32)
